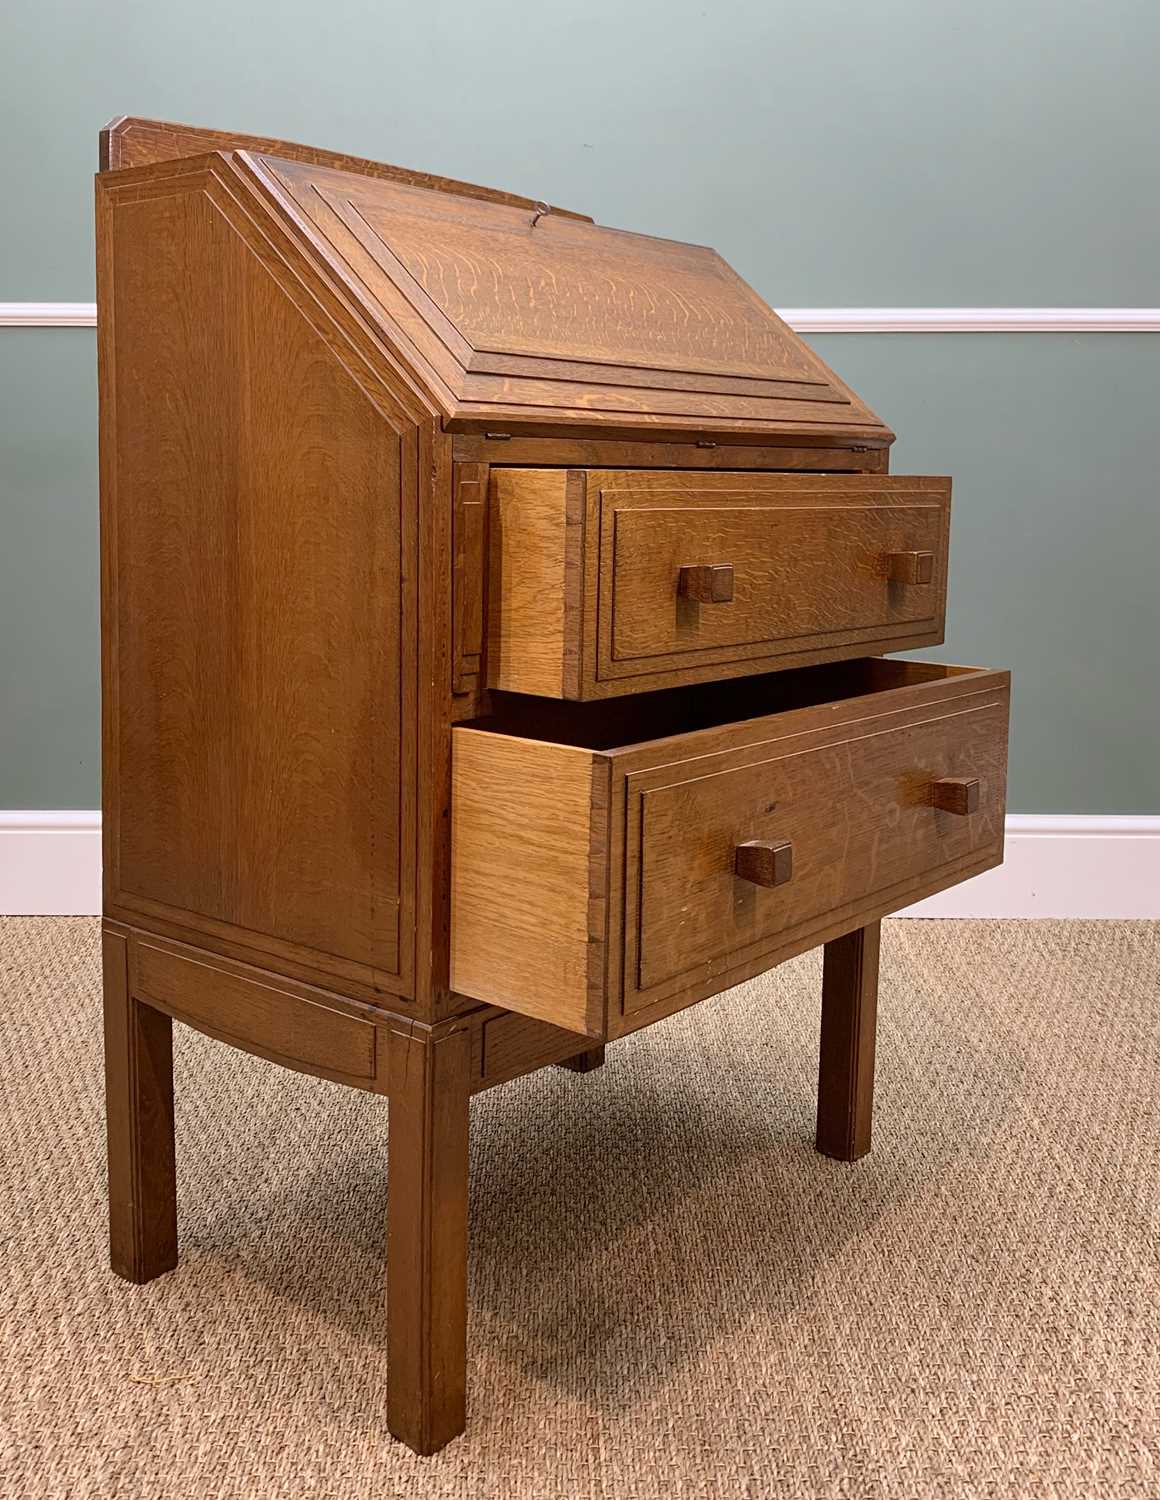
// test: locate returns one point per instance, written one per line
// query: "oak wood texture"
(594, 885)
(527, 925)
(605, 582)
(294, 1026)
(517, 321)
(259, 597)
(306, 1028)
(422, 767)
(706, 583)
(764, 862)
(506, 1046)
(585, 1062)
(802, 455)
(910, 567)
(956, 794)
(469, 538)
(535, 581)
(846, 1067)
(130, 141)
(846, 786)
(139, 1125)
(427, 1237)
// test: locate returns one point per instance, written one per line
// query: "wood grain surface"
(139, 1125)
(258, 722)
(535, 581)
(449, 545)
(512, 1044)
(802, 568)
(529, 876)
(128, 141)
(551, 882)
(846, 1056)
(532, 322)
(851, 796)
(804, 455)
(808, 558)
(469, 538)
(274, 1022)
(427, 1237)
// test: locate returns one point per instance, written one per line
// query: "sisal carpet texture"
(671, 1294)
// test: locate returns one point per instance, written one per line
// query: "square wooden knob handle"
(764, 863)
(910, 567)
(956, 794)
(707, 583)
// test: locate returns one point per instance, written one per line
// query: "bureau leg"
(427, 1237)
(849, 1016)
(139, 1125)
(585, 1062)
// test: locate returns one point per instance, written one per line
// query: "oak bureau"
(494, 609)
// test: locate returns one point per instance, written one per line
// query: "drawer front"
(604, 582)
(599, 889)
(796, 573)
(828, 824)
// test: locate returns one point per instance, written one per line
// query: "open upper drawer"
(614, 862)
(621, 581)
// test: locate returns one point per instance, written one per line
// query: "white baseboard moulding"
(50, 864)
(1056, 866)
(801, 319)
(1059, 865)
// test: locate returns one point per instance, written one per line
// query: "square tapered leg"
(139, 1116)
(427, 1237)
(585, 1062)
(849, 1019)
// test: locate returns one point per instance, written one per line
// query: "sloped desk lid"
(522, 319)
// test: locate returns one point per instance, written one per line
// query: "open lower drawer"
(613, 862)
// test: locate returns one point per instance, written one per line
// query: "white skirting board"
(50, 864)
(1056, 866)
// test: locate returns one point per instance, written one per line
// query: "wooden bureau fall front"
(493, 617)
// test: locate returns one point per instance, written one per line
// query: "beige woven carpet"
(671, 1294)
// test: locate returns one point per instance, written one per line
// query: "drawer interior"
(612, 723)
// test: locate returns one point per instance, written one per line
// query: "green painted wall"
(49, 578)
(1055, 536)
(920, 152)
(911, 152)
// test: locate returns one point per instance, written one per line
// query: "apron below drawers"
(614, 862)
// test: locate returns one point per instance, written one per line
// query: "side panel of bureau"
(259, 605)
